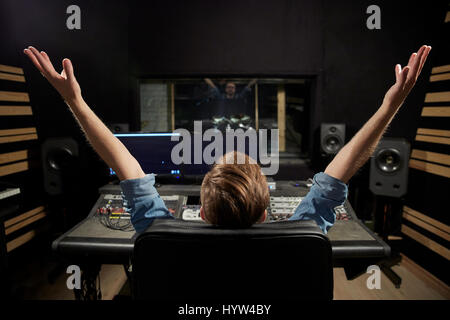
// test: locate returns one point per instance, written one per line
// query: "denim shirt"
(325, 194)
(144, 203)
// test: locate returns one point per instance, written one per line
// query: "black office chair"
(180, 260)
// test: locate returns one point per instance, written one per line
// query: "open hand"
(64, 82)
(406, 77)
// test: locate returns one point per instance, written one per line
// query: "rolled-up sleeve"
(142, 201)
(325, 194)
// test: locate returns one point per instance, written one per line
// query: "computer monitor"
(153, 152)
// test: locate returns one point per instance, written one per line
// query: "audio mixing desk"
(107, 236)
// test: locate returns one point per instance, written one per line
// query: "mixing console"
(282, 208)
(175, 203)
(112, 213)
(342, 214)
(191, 213)
(349, 237)
(113, 205)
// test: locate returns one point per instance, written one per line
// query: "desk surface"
(89, 238)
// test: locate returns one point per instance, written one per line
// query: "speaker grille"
(388, 160)
(332, 137)
(332, 144)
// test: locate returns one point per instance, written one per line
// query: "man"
(230, 103)
(232, 195)
(230, 90)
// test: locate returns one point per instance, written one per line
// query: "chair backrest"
(176, 259)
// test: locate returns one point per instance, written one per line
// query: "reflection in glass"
(282, 104)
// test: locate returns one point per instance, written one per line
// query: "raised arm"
(251, 83)
(210, 83)
(108, 147)
(356, 152)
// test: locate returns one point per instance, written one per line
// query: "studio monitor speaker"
(332, 138)
(59, 157)
(389, 168)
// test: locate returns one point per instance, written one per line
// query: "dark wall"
(99, 52)
(359, 63)
(226, 37)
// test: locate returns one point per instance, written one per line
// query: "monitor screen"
(153, 152)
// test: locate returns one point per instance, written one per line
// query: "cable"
(116, 223)
(112, 216)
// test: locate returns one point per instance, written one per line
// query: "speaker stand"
(385, 204)
(386, 266)
(89, 290)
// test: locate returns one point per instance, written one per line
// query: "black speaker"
(59, 157)
(389, 168)
(332, 138)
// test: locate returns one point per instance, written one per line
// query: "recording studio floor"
(417, 284)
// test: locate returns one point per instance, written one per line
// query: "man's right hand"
(65, 82)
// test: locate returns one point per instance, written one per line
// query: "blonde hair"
(234, 193)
